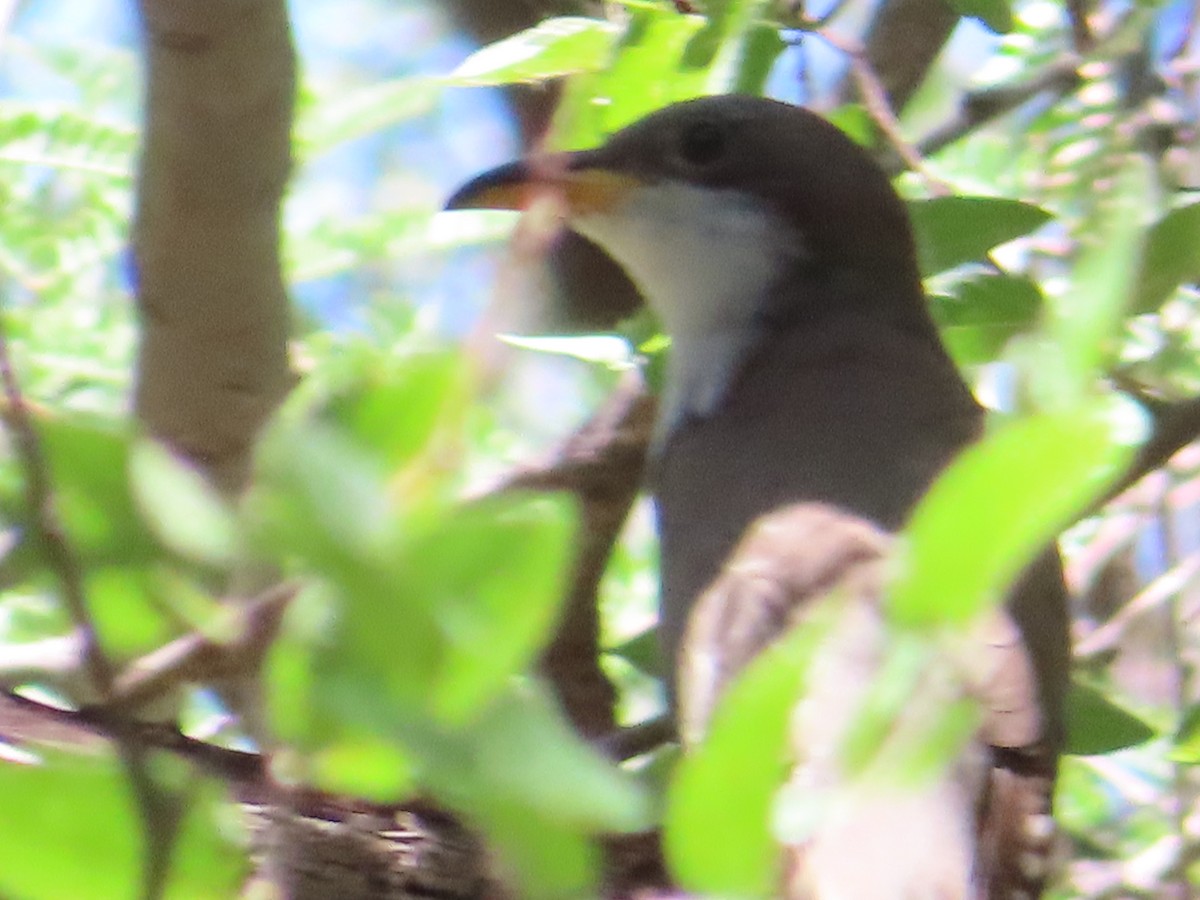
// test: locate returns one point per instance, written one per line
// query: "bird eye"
(702, 144)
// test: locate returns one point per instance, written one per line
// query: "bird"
(804, 367)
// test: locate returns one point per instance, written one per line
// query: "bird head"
(733, 216)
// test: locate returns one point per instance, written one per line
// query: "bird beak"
(582, 186)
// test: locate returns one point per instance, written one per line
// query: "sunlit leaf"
(326, 122)
(40, 135)
(551, 49)
(607, 349)
(365, 767)
(747, 54)
(394, 406)
(182, 506)
(990, 513)
(647, 73)
(84, 803)
(717, 840)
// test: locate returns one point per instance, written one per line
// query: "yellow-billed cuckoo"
(803, 366)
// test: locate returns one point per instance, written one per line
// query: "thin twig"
(874, 97)
(221, 762)
(1153, 596)
(198, 658)
(978, 107)
(160, 810)
(46, 525)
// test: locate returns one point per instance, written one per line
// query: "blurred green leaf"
(393, 406)
(1171, 256)
(123, 608)
(40, 135)
(1089, 314)
(1187, 738)
(610, 350)
(537, 789)
(854, 119)
(551, 49)
(901, 740)
(549, 862)
(319, 495)
(747, 54)
(182, 507)
(365, 766)
(83, 804)
(322, 499)
(956, 563)
(995, 14)
(88, 467)
(646, 74)
(717, 840)
(525, 749)
(492, 574)
(953, 230)
(1095, 724)
(324, 123)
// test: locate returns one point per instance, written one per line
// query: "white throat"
(705, 261)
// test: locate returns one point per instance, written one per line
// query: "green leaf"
(66, 139)
(1187, 738)
(647, 73)
(128, 619)
(492, 574)
(855, 121)
(84, 804)
(324, 123)
(182, 507)
(995, 14)
(363, 767)
(747, 53)
(394, 406)
(1170, 257)
(953, 230)
(999, 503)
(88, 469)
(319, 495)
(717, 839)
(1096, 725)
(539, 791)
(984, 312)
(526, 749)
(323, 500)
(643, 651)
(609, 350)
(1090, 313)
(551, 49)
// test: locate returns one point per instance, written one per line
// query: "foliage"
(1056, 270)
